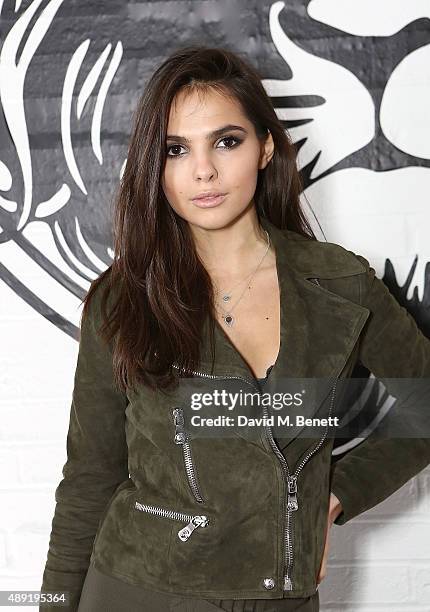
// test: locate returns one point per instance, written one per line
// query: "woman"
(217, 277)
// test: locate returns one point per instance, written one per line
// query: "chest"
(255, 332)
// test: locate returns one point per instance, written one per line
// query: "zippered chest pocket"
(181, 437)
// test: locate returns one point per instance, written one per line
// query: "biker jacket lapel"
(320, 328)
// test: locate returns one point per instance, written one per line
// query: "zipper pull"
(287, 584)
(196, 521)
(178, 419)
(293, 504)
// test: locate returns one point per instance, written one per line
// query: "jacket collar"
(318, 328)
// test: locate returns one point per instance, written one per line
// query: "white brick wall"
(380, 559)
(378, 562)
(37, 363)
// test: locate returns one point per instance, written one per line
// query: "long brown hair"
(163, 292)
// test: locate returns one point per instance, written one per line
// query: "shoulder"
(326, 259)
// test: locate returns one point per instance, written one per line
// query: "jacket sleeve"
(97, 462)
(392, 347)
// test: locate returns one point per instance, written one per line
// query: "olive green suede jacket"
(149, 502)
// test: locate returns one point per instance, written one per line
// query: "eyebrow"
(210, 135)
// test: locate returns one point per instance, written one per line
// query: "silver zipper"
(291, 480)
(193, 520)
(293, 504)
(181, 437)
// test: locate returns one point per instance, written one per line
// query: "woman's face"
(201, 158)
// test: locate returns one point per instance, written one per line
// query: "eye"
(174, 147)
(236, 142)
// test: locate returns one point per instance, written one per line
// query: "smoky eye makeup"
(229, 137)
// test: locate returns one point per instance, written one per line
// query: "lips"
(208, 194)
(209, 201)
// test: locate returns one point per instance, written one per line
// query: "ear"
(267, 151)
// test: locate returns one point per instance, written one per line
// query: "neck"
(233, 251)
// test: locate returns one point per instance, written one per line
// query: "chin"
(213, 220)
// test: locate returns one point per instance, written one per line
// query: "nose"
(204, 168)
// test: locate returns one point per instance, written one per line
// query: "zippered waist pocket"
(181, 437)
(193, 520)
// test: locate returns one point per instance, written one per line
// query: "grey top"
(261, 381)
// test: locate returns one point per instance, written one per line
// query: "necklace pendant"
(228, 319)
(226, 298)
